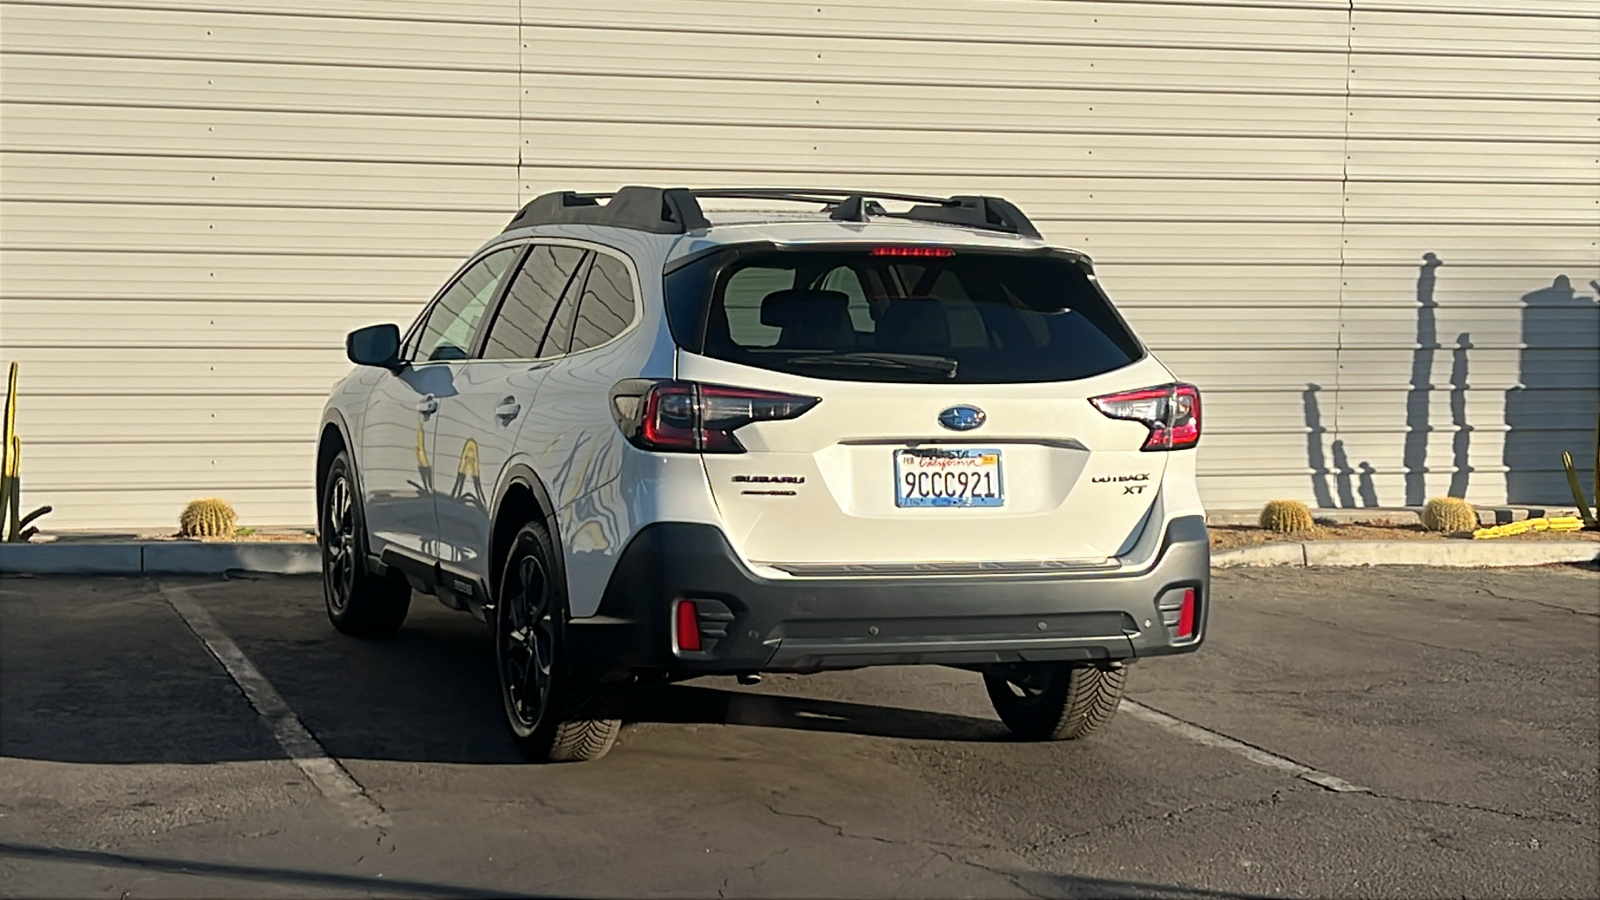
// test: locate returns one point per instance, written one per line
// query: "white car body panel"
(395, 453)
(1053, 443)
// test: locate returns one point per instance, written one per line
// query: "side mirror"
(375, 345)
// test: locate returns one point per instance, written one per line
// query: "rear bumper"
(753, 624)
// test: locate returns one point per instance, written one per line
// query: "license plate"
(948, 478)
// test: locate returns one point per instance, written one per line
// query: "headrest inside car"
(781, 309)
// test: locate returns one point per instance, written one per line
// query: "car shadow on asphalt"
(115, 677)
(686, 704)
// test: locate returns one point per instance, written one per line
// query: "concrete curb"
(186, 558)
(1495, 554)
(165, 557)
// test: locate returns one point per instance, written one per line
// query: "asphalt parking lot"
(1370, 733)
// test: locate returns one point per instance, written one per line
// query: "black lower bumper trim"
(749, 623)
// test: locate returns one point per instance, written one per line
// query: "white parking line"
(1255, 754)
(323, 770)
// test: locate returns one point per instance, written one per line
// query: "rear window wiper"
(915, 362)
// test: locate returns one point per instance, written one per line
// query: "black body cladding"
(749, 623)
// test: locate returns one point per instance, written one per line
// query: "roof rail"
(677, 210)
(658, 210)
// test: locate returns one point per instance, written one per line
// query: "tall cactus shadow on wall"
(1314, 457)
(1461, 444)
(1415, 457)
(1553, 406)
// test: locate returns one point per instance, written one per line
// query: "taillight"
(685, 417)
(1171, 412)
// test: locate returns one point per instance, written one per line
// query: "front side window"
(519, 328)
(447, 334)
(927, 315)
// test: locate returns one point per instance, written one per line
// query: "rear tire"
(359, 602)
(1056, 701)
(553, 715)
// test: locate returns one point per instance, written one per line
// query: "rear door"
(955, 429)
(494, 396)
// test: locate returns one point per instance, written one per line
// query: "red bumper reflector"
(688, 626)
(1185, 616)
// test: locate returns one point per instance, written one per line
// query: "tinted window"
(558, 337)
(972, 317)
(451, 324)
(519, 328)
(607, 305)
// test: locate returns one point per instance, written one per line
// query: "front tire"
(553, 716)
(358, 601)
(1056, 701)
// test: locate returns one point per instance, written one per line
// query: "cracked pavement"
(1466, 701)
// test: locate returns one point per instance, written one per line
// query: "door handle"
(428, 405)
(508, 409)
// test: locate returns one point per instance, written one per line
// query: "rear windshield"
(872, 314)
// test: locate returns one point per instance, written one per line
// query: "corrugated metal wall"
(197, 200)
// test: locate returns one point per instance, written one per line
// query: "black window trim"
(573, 291)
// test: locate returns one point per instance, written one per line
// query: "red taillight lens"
(1186, 616)
(685, 417)
(916, 252)
(1171, 412)
(668, 420)
(687, 626)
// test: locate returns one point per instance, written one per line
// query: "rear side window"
(855, 314)
(607, 305)
(519, 328)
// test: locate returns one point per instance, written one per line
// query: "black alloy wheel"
(554, 715)
(526, 643)
(338, 545)
(359, 600)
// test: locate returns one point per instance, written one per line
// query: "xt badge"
(1137, 487)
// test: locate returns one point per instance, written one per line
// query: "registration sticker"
(948, 477)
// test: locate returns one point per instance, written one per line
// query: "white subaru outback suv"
(646, 443)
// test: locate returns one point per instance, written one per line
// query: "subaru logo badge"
(962, 418)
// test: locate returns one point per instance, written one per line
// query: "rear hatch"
(939, 414)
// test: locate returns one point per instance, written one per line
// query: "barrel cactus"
(1450, 515)
(209, 517)
(1287, 517)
